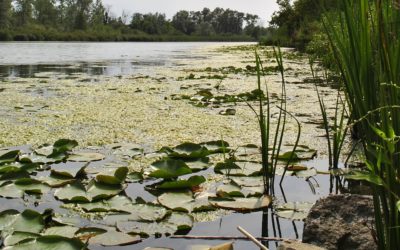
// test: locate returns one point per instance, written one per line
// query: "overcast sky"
(263, 8)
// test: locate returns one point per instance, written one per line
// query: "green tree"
(45, 12)
(23, 12)
(5, 10)
(183, 22)
(97, 14)
(82, 14)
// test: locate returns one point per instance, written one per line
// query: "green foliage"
(367, 49)
(89, 20)
(296, 22)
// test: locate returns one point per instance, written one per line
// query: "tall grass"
(366, 45)
(335, 132)
(268, 133)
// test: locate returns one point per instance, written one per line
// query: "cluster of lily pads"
(96, 210)
(205, 98)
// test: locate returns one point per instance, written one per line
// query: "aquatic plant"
(335, 133)
(366, 47)
(270, 160)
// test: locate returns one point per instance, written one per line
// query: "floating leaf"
(248, 181)
(294, 210)
(219, 146)
(17, 237)
(112, 176)
(44, 150)
(114, 238)
(306, 173)
(64, 145)
(68, 169)
(9, 157)
(28, 221)
(198, 164)
(77, 192)
(21, 186)
(239, 168)
(169, 168)
(66, 231)
(182, 184)
(134, 177)
(184, 201)
(85, 157)
(172, 224)
(242, 204)
(188, 150)
(55, 180)
(229, 190)
(50, 242)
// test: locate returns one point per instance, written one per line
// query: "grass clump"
(366, 46)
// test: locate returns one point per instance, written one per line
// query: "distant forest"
(88, 20)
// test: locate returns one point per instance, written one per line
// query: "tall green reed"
(270, 159)
(366, 46)
(335, 132)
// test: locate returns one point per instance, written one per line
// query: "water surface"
(25, 59)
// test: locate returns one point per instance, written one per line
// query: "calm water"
(24, 59)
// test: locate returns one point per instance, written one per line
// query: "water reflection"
(108, 68)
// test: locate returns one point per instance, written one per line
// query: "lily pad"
(9, 157)
(55, 180)
(198, 164)
(229, 190)
(294, 210)
(17, 237)
(242, 204)
(306, 173)
(188, 150)
(131, 211)
(77, 192)
(184, 202)
(219, 146)
(182, 184)
(85, 157)
(239, 168)
(114, 238)
(172, 224)
(169, 168)
(49, 243)
(28, 221)
(66, 231)
(69, 169)
(248, 181)
(112, 176)
(134, 177)
(233, 190)
(24, 185)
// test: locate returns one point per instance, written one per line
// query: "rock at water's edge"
(341, 222)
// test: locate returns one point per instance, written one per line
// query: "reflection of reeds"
(366, 46)
(270, 161)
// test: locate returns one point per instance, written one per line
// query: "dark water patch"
(67, 71)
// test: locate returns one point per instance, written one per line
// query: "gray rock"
(343, 222)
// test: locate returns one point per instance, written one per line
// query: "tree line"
(299, 22)
(91, 20)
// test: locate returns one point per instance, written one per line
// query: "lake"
(123, 102)
(24, 59)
